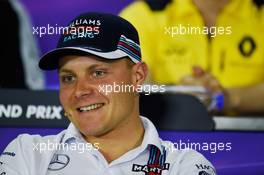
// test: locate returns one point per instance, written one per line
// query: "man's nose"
(83, 89)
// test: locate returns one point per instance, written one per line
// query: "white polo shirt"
(69, 154)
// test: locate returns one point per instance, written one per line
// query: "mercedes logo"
(58, 162)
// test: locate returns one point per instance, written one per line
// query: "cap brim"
(50, 60)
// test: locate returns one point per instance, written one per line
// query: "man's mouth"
(90, 107)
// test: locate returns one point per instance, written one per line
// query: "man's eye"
(67, 78)
(98, 73)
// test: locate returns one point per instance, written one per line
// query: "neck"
(120, 140)
(210, 9)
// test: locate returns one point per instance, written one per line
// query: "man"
(216, 44)
(97, 50)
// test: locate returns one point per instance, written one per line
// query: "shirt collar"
(151, 136)
(72, 133)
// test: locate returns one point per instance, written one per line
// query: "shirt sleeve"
(13, 160)
(193, 163)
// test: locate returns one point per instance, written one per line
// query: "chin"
(94, 132)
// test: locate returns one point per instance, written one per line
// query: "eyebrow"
(63, 70)
(92, 67)
(98, 65)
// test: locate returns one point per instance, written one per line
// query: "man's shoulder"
(26, 149)
(26, 139)
(28, 143)
(172, 149)
(187, 161)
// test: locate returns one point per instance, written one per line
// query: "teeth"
(90, 107)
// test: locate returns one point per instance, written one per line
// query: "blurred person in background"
(18, 52)
(227, 58)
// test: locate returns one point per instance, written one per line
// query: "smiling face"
(93, 111)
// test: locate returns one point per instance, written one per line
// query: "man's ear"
(140, 72)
